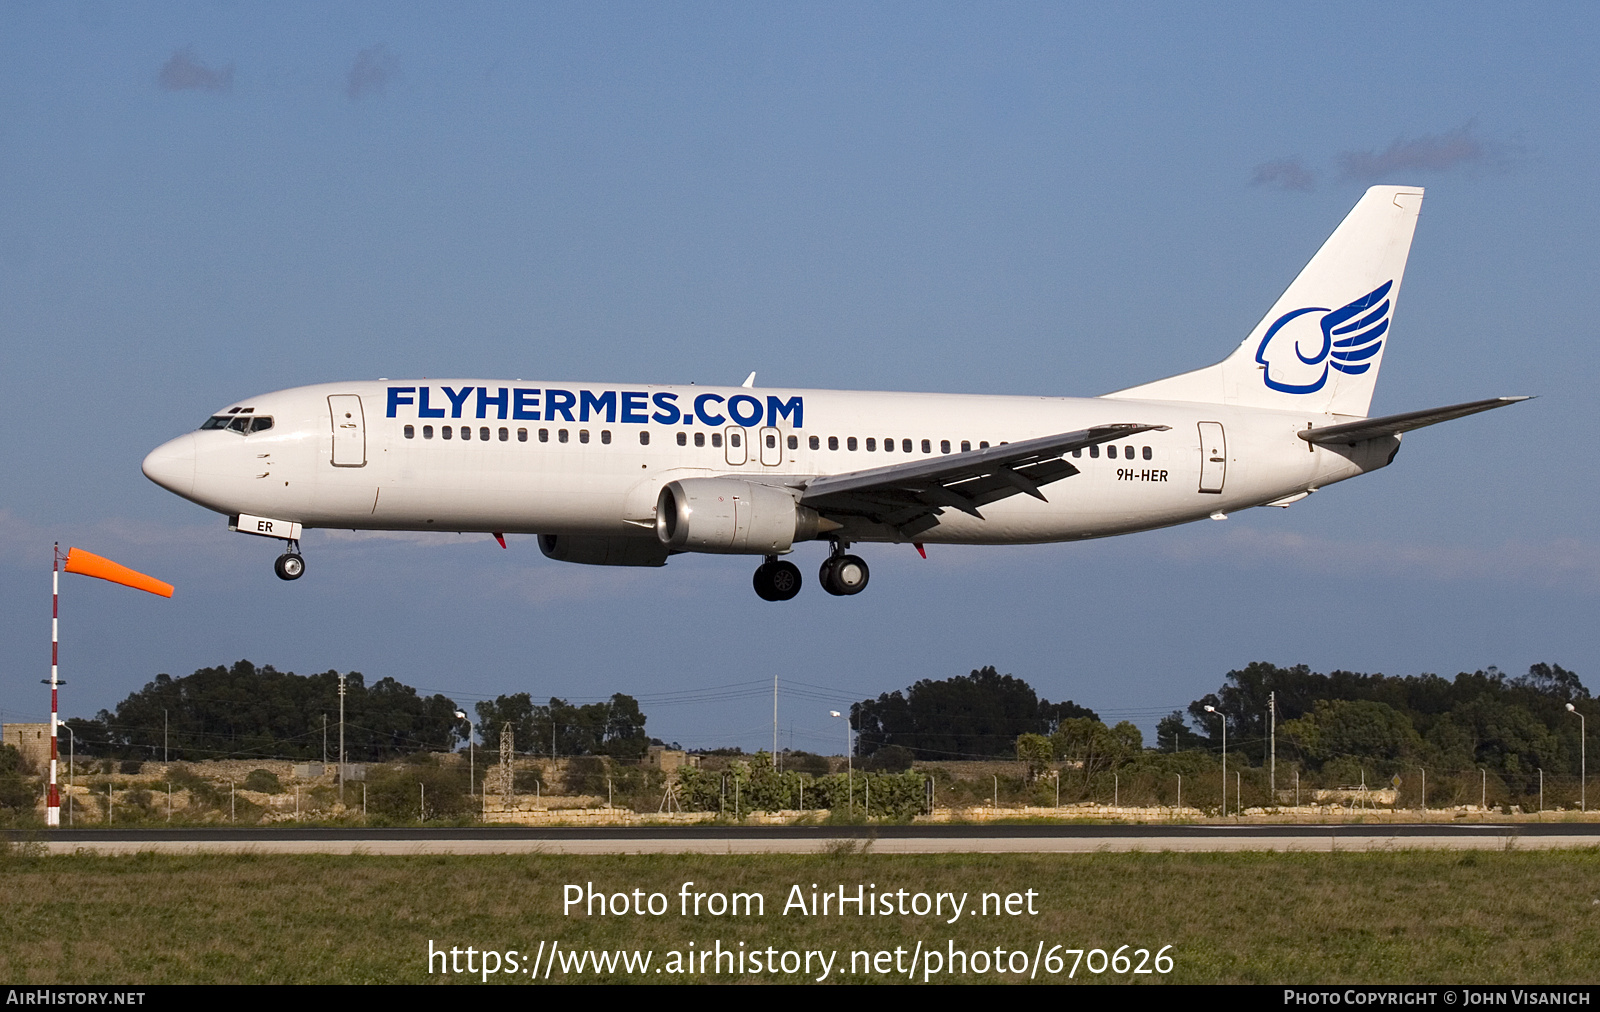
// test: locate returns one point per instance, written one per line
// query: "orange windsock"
(87, 564)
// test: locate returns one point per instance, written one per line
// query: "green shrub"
(264, 781)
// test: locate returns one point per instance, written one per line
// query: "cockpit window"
(242, 424)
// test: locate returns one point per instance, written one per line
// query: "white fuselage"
(372, 456)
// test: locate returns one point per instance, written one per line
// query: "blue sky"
(201, 202)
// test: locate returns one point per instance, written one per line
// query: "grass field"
(1406, 916)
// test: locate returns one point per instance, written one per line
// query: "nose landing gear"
(291, 565)
(776, 581)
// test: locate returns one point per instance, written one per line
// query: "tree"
(1094, 747)
(1353, 728)
(1174, 735)
(17, 789)
(244, 710)
(614, 727)
(1037, 751)
(975, 716)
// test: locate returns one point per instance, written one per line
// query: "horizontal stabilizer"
(1389, 425)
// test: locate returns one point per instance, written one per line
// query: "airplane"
(618, 474)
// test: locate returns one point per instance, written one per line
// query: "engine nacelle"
(732, 516)
(598, 551)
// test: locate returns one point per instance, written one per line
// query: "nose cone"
(171, 465)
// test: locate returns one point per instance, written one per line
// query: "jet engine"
(733, 517)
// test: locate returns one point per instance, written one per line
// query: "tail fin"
(1320, 345)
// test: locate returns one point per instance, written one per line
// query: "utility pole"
(341, 739)
(508, 786)
(774, 721)
(1272, 712)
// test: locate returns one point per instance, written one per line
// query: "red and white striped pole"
(52, 815)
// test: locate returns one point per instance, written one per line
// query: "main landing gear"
(842, 574)
(291, 565)
(776, 580)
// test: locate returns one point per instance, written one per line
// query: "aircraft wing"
(1389, 425)
(909, 496)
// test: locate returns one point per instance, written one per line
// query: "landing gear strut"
(776, 581)
(843, 574)
(291, 565)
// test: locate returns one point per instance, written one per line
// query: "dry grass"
(1417, 916)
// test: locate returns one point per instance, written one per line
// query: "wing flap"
(908, 495)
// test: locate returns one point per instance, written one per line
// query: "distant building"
(32, 740)
(668, 759)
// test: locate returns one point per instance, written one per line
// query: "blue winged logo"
(1344, 339)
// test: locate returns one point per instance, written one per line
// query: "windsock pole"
(52, 815)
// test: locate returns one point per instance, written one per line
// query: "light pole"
(1212, 709)
(1583, 759)
(849, 760)
(472, 759)
(1483, 796)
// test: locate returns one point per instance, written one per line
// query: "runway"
(942, 839)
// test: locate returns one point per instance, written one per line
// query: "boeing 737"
(617, 474)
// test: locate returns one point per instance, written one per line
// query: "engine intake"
(733, 517)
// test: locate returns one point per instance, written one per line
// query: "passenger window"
(447, 431)
(699, 439)
(905, 445)
(850, 444)
(966, 446)
(466, 432)
(411, 432)
(522, 435)
(833, 442)
(505, 434)
(1094, 451)
(772, 441)
(644, 437)
(1078, 452)
(1147, 453)
(427, 432)
(716, 439)
(734, 440)
(888, 446)
(561, 435)
(983, 444)
(483, 433)
(872, 444)
(544, 435)
(605, 436)
(683, 439)
(583, 435)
